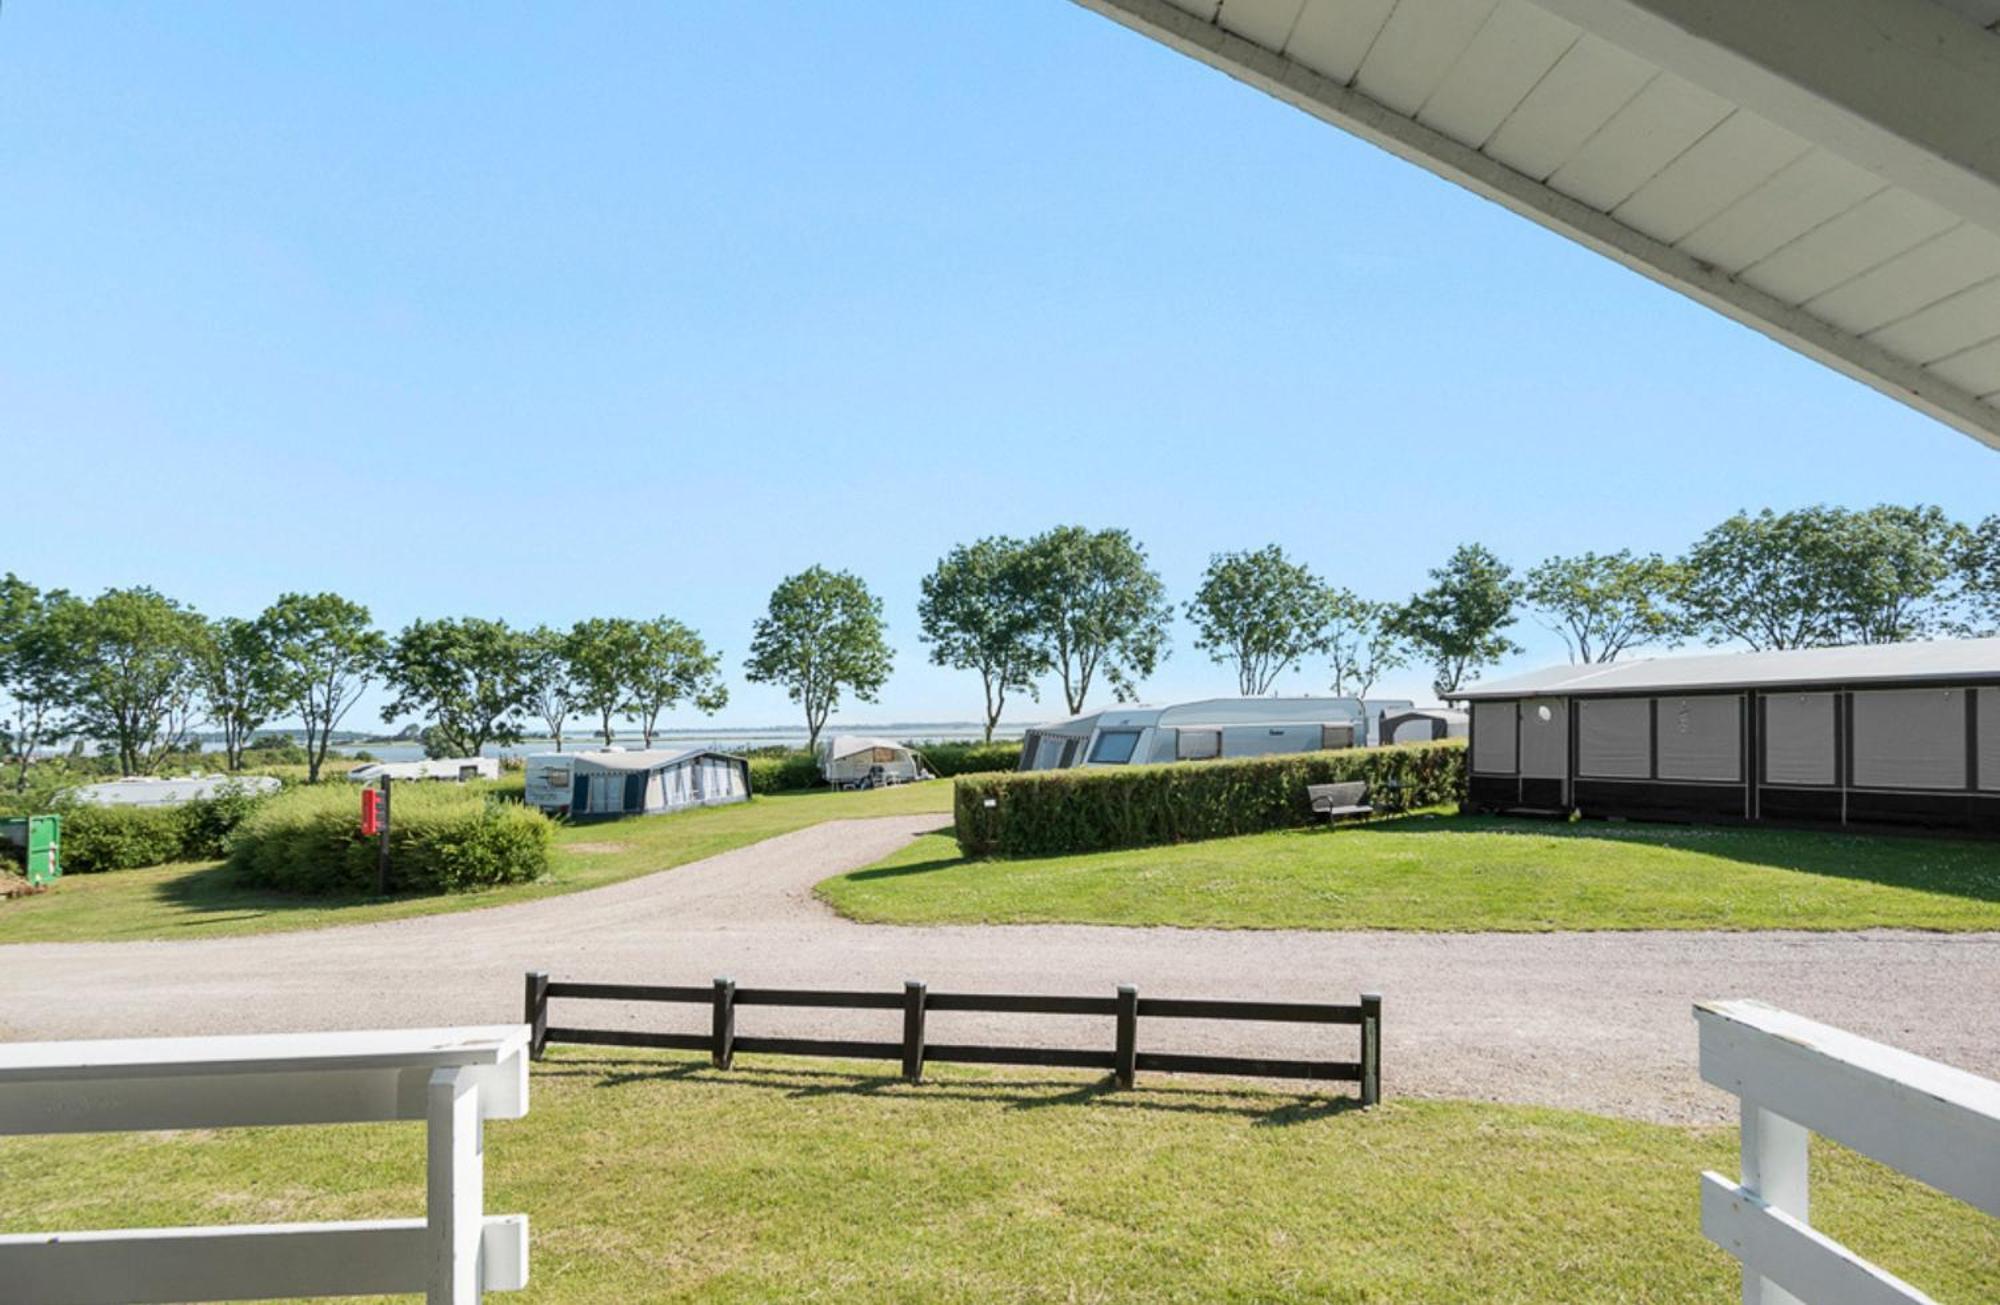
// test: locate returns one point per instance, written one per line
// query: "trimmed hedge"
(784, 772)
(100, 838)
(442, 838)
(949, 759)
(1091, 809)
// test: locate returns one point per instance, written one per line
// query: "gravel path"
(1595, 1021)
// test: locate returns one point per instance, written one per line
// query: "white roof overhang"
(1824, 171)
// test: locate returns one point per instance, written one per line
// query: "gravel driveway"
(1596, 1021)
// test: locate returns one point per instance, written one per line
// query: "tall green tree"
(600, 652)
(671, 665)
(1362, 644)
(1979, 570)
(977, 612)
(1605, 604)
(241, 682)
(1819, 576)
(1099, 609)
(138, 685)
(822, 636)
(39, 666)
(1260, 613)
(469, 679)
(1457, 624)
(551, 689)
(329, 652)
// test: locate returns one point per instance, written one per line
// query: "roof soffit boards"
(1826, 172)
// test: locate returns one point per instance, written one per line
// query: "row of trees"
(140, 671)
(1079, 604)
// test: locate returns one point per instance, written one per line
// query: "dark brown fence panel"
(916, 1002)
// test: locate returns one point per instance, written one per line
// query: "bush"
(96, 839)
(949, 759)
(791, 771)
(99, 838)
(443, 838)
(1053, 813)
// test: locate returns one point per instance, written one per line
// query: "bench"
(1336, 800)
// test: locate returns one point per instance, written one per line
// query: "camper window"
(556, 776)
(1114, 747)
(881, 756)
(1198, 745)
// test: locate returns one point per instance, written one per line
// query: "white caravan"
(1203, 731)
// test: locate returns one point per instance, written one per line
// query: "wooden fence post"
(725, 1023)
(1371, 1048)
(536, 1015)
(1125, 1064)
(913, 1029)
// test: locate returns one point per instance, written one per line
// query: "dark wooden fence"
(1124, 1060)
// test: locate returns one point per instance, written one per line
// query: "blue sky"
(541, 312)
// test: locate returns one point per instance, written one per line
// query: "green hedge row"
(442, 838)
(98, 838)
(1053, 813)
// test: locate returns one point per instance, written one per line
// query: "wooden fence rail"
(916, 1002)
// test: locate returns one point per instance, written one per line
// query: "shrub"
(96, 839)
(442, 838)
(1053, 813)
(783, 772)
(949, 759)
(208, 823)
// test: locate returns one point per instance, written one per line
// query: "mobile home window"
(1198, 745)
(1910, 738)
(1114, 747)
(1336, 736)
(1799, 738)
(556, 776)
(1701, 738)
(1614, 738)
(1493, 727)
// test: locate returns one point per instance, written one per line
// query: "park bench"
(1336, 800)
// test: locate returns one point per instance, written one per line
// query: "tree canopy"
(1457, 623)
(1261, 614)
(136, 683)
(467, 677)
(328, 653)
(1099, 609)
(1603, 604)
(977, 612)
(822, 635)
(671, 665)
(1363, 643)
(241, 682)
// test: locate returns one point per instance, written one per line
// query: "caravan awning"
(1825, 171)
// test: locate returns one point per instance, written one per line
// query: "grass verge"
(208, 900)
(1444, 872)
(665, 1180)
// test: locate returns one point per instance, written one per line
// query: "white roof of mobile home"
(1952, 660)
(1824, 171)
(1212, 711)
(427, 768)
(623, 760)
(141, 791)
(846, 745)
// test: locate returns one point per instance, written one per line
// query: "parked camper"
(144, 791)
(450, 769)
(1885, 734)
(1422, 725)
(855, 761)
(1202, 731)
(613, 782)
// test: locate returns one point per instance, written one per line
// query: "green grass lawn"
(661, 1179)
(204, 900)
(1445, 872)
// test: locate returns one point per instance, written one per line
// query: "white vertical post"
(1775, 1168)
(454, 1188)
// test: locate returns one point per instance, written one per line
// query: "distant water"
(724, 740)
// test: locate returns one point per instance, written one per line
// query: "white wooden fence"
(453, 1079)
(1796, 1077)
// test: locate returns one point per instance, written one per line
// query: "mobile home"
(1202, 731)
(450, 769)
(147, 791)
(1886, 734)
(614, 782)
(855, 761)
(1421, 725)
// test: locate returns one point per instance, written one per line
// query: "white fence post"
(1796, 1077)
(453, 1079)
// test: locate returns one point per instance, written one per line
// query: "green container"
(40, 840)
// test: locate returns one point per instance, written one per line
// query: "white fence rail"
(453, 1079)
(1797, 1077)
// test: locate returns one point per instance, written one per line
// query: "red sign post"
(371, 813)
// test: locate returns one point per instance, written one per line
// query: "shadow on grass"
(218, 895)
(1016, 1093)
(1961, 866)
